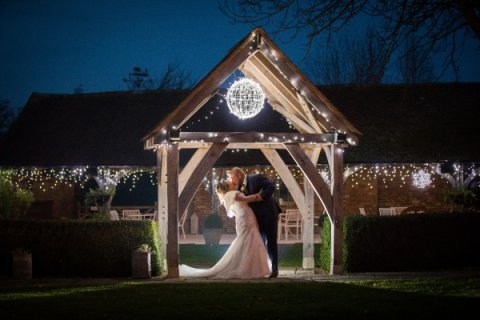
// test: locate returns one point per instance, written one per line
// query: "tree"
(7, 115)
(360, 60)
(440, 27)
(174, 78)
(14, 201)
(414, 64)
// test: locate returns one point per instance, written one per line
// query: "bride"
(246, 258)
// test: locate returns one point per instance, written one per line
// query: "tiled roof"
(399, 123)
(411, 123)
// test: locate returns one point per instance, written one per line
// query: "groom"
(266, 210)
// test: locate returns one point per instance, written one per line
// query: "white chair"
(131, 214)
(181, 222)
(414, 209)
(114, 215)
(293, 221)
(362, 211)
(385, 211)
(398, 210)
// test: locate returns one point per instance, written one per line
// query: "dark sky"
(52, 46)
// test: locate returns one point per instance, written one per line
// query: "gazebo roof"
(286, 88)
(399, 123)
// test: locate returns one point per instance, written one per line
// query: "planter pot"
(141, 266)
(22, 265)
(212, 236)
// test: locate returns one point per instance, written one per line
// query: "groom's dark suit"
(266, 212)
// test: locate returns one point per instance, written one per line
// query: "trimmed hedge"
(79, 248)
(423, 241)
(325, 235)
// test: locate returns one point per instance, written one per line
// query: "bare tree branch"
(440, 27)
(351, 59)
(174, 78)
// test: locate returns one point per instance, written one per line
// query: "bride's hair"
(222, 187)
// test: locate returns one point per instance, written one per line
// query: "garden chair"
(131, 214)
(385, 211)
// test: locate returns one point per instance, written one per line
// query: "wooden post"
(172, 199)
(336, 255)
(308, 261)
(162, 204)
(308, 238)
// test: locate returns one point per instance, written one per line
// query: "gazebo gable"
(288, 91)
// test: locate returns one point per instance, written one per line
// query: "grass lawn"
(450, 298)
(263, 299)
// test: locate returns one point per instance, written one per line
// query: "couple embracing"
(254, 251)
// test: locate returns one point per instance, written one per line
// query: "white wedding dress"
(247, 257)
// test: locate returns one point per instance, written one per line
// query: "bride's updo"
(222, 187)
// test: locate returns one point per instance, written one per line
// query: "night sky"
(53, 46)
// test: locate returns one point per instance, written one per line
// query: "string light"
(51, 178)
(359, 175)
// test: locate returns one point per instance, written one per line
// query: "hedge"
(423, 241)
(78, 248)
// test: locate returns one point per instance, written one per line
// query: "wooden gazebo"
(319, 125)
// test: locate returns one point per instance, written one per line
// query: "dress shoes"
(273, 274)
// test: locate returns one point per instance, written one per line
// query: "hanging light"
(421, 179)
(245, 98)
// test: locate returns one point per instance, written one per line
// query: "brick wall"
(367, 190)
(374, 192)
(53, 201)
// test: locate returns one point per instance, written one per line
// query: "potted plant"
(141, 262)
(459, 198)
(213, 228)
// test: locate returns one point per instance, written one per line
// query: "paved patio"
(228, 238)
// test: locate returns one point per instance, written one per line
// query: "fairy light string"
(419, 176)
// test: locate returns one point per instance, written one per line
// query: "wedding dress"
(247, 257)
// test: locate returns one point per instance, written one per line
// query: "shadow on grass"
(242, 300)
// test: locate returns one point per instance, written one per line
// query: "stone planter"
(141, 265)
(22, 265)
(212, 236)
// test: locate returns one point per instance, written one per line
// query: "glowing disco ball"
(245, 98)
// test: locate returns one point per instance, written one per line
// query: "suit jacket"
(268, 209)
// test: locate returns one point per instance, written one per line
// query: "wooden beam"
(309, 91)
(197, 176)
(298, 123)
(311, 173)
(204, 90)
(316, 123)
(162, 204)
(275, 88)
(249, 145)
(281, 86)
(255, 137)
(287, 178)
(190, 167)
(336, 257)
(308, 238)
(172, 199)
